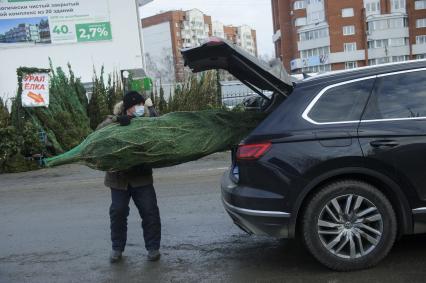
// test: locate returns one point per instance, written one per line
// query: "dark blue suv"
(339, 162)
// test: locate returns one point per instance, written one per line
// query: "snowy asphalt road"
(54, 227)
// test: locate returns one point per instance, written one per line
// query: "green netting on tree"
(160, 142)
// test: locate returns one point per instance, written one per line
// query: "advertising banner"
(40, 22)
(35, 90)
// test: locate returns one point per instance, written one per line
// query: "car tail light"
(252, 151)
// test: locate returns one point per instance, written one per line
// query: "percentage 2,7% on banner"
(93, 32)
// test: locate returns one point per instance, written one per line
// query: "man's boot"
(115, 256)
(154, 255)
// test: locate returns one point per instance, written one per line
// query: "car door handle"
(383, 143)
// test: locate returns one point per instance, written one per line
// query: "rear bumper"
(259, 222)
(254, 220)
(419, 217)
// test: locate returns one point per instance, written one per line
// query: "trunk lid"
(218, 53)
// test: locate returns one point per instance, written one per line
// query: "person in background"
(135, 183)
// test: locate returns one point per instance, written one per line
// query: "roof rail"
(364, 68)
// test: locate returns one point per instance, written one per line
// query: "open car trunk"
(218, 53)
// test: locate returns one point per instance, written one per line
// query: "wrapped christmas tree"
(164, 141)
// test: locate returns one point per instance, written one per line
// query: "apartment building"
(325, 35)
(21, 33)
(24, 32)
(244, 36)
(166, 33)
(44, 30)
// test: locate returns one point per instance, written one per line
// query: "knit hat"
(131, 99)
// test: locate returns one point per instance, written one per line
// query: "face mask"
(139, 111)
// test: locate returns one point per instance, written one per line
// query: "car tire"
(349, 225)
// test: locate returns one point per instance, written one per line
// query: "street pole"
(140, 34)
(125, 75)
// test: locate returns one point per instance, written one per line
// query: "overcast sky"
(255, 13)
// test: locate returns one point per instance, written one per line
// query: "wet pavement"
(54, 227)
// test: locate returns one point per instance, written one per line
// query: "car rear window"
(398, 96)
(342, 103)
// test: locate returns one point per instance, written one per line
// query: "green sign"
(136, 85)
(140, 85)
(93, 32)
(147, 84)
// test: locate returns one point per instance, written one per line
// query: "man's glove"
(124, 120)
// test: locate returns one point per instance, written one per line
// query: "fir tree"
(218, 89)
(156, 99)
(98, 105)
(170, 104)
(162, 105)
(78, 87)
(4, 114)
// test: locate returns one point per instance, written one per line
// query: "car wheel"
(349, 225)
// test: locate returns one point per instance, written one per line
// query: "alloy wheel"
(350, 226)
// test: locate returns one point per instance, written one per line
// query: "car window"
(398, 96)
(342, 103)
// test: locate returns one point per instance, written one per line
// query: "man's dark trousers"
(146, 202)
